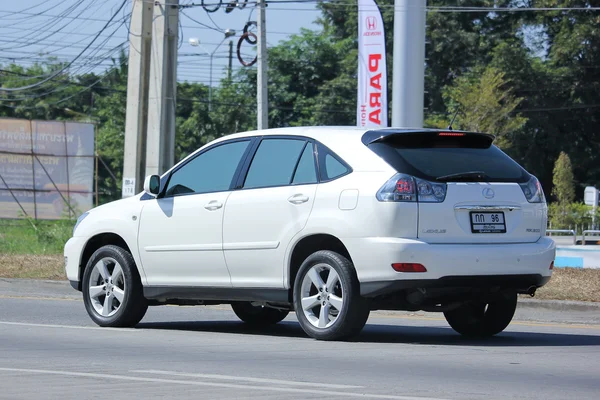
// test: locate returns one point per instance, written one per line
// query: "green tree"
(486, 103)
(564, 189)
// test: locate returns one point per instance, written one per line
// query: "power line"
(71, 62)
(55, 90)
(52, 23)
(61, 100)
(201, 23)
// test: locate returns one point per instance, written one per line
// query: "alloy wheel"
(322, 295)
(107, 287)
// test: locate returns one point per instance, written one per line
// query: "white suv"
(331, 222)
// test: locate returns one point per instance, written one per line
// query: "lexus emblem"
(488, 193)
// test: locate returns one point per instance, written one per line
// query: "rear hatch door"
(485, 198)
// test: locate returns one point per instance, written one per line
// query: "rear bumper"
(512, 266)
(481, 283)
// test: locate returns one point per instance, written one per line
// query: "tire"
(258, 315)
(111, 275)
(320, 307)
(474, 319)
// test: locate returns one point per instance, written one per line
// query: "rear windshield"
(437, 158)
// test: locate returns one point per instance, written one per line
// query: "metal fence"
(46, 168)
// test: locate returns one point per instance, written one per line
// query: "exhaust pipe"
(531, 290)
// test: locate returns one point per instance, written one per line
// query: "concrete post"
(140, 39)
(408, 83)
(160, 147)
(262, 92)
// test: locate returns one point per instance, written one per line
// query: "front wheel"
(112, 289)
(327, 297)
(481, 319)
(258, 315)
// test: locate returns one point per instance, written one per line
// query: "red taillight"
(552, 265)
(404, 186)
(450, 134)
(409, 267)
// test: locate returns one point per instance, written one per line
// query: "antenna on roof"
(454, 117)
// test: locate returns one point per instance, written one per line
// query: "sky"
(33, 30)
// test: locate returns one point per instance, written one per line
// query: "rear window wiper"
(470, 176)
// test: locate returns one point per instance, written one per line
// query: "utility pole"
(261, 87)
(160, 147)
(140, 39)
(408, 83)
(230, 60)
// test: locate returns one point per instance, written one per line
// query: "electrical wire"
(60, 71)
(57, 89)
(52, 23)
(60, 100)
(200, 23)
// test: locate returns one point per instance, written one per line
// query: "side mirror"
(152, 185)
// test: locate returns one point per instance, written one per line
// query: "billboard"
(46, 168)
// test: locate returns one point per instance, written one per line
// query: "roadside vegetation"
(30, 237)
(33, 249)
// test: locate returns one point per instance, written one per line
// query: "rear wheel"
(327, 297)
(112, 289)
(483, 319)
(258, 315)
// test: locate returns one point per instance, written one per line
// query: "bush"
(577, 216)
(54, 235)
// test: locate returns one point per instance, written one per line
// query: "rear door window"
(274, 163)
(306, 171)
(432, 157)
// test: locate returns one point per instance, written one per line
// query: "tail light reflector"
(552, 265)
(409, 267)
(405, 185)
(406, 188)
(533, 191)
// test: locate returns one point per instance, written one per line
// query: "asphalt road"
(49, 349)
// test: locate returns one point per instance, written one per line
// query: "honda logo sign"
(371, 23)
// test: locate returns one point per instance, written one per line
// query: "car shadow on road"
(375, 333)
(447, 336)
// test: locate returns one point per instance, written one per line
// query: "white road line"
(246, 379)
(68, 326)
(214, 384)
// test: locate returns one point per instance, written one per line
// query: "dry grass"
(578, 284)
(32, 266)
(566, 283)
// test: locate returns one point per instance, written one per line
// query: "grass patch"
(48, 237)
(579, 284)
(25, 266)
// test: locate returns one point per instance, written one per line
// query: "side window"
(211, 171)
(306, 171)
(331, 167)
(274, 163)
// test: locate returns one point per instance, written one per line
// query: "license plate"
(488, 222)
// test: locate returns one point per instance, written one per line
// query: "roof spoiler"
(381, 135)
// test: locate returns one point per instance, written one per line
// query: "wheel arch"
(94, 243)
(306, 246)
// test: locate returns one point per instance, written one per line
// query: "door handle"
(213, 205)
(298, 199)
